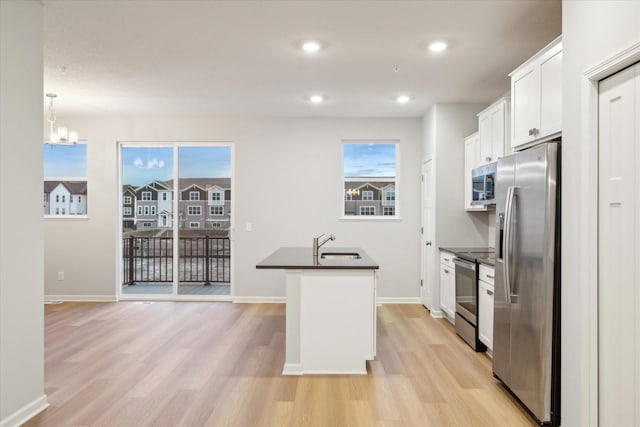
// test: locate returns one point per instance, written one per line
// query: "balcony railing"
(202, 259)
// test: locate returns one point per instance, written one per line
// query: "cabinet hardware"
(427, 243)
(446, 259)
(489, 276)
(488, 159)
(446, 271)
(489, 292)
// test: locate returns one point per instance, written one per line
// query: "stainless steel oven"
(467, 302)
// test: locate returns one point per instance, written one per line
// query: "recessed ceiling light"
(438, 46)
(316, 99)
(311, 46)
(402, 99)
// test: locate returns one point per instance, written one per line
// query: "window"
(194, 195)
(126, 200)
(146, 225)
(153, 210)
(46, 197)
(389, 197)
(194, 225)
(146, 210)
(165, 195)
(367, 210)
(139, 210)
(65, 172)
(370, 178)
(194, 210)
(216, 196)
(146, 195)
(216, 210)
(79, 199)
(126, 211)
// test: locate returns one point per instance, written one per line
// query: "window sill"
(370, 218)
(66, 217)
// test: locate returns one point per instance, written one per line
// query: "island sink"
(340, 255)
(331, 309)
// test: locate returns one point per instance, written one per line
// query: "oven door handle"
(464, 264)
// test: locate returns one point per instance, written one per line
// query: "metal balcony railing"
(203, 259)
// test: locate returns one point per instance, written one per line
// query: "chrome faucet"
(317, 243)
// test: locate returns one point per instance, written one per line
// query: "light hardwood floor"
(219, 364)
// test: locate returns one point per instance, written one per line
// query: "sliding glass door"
(176, 206)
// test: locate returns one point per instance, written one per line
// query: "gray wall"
(21, 245)
(591, 31)
(287, 184)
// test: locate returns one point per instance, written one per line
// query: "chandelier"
(62, 135)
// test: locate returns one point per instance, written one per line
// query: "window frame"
(62, 178)
(395, 181)
(215, 207)
(192, 223)
(125, 202)
(199, 208)
(126, 211)
(144, 194)
(194, 196)
(367, 207)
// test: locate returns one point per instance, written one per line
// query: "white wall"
(592, 31)
(299, 158)
(21, 245)
(455, 226)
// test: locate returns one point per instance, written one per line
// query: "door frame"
(588, 258)
(174, 296)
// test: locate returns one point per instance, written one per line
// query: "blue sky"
(367, 160)
(65, 161)
(142, 165)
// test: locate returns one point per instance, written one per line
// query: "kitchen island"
(331, 309)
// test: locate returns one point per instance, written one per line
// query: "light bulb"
(54, 137)
(437, 46)
(316, 99)
(62, 133)
(311, 46)
(73, 136)
(402, 99)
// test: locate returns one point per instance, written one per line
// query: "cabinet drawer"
(486, 274)
(446, 258)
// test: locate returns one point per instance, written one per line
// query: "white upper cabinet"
(536, 97)
(493, 123)
(471, 161)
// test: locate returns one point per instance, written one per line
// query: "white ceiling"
(240, 57)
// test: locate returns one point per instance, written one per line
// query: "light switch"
(249, 227)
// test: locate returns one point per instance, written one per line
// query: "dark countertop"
(302, 258)
(481, 255)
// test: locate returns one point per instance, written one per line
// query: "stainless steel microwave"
(483, 184)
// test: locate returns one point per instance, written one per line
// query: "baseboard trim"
(81, 298)
(438, 314)
(25, 413)
(292, 369)
(397, 300)
(259, 300)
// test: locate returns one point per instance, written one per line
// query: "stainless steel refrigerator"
(526, 340)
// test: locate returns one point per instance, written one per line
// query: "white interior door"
(619, 250)
(428, 235)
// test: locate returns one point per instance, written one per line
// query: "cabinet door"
(525, 105)
(471, 156)
(497, 133)
(551, 95)
(485, 130)
(485, 313)
(447, 290)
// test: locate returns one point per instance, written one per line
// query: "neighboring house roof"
(192, 186)
(204, 183)
(73, 187)
(153, 185)
(358, 185)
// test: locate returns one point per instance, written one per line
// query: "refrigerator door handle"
(508, 240)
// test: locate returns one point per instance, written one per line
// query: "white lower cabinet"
(485, 306)
(448, 285)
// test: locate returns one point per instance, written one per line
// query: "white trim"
(259, 300)
(81, 298)
(197, 194)
(367, 209)
(194, 206)
(589, 223)
(398, 300)
(615, 63)
(25, 413)
(394, 218)
(438, 314)
(194, 225)
(65, 217)
(292, 369)
(176, 297)
(124, 200)
(142, 194)
(367, 193)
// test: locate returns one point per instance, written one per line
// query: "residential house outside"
(62, 198)
(370, 197)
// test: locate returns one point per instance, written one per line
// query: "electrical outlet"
(249, 227)
(60, 275)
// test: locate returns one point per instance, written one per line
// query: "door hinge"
(421, 230)
(421, 283)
